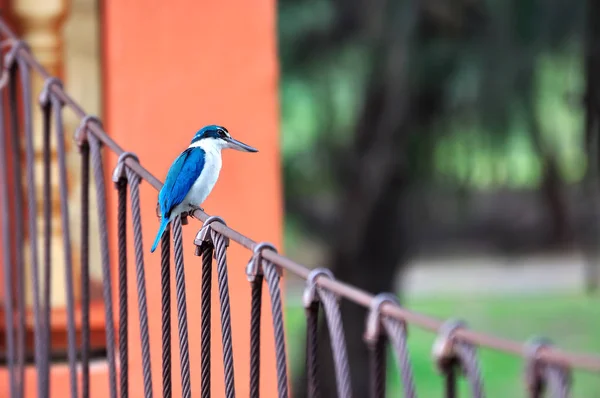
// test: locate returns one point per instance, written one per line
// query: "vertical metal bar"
(468, 358)
(333, 318)
(123, 322)
(450, 381)
(377, 367)
(134, 192)
(64, 205)
(205, 324)
(312, 363)
(7, 254)
(18, 229)
(558, 381)
(47, 192)
(165, 286)
(272, 277)
(450, 353)
(535, 383)
(534, 393)
(220, 244)
(184, 353)
(85, 269)
(539, 376)
(255, 315)
(33, 235)
(106, 277)
(397, 335)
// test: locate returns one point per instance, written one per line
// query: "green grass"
(571, 321)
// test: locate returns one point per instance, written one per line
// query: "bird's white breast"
(207, 179)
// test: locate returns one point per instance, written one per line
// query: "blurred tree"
(403, 95)
(410, 79)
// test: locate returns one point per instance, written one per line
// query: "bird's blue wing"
(181, 176)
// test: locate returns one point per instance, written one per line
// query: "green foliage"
(483, 137)
(561, 82)
(467, 155)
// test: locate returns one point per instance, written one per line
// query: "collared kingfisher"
(194, 173)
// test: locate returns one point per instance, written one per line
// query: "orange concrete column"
(168, 71)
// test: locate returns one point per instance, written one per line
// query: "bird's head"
(219, 137)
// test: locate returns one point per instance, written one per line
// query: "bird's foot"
(184, 218)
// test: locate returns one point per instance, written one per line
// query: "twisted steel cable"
(220, 244)
(46, 105)
(7, 260)
(32, 210)
(85, 270)
(165, 287)
(558, 381)
(540, 375)
(255, 315)
(18, 232)
(377, 358)
(338, 342)
(47, 176)
(272, 277)
(312, 363)
(184, 351)
(84, 150)
(468, 359)
(396, 332)
(104, 253)
(205, 324)
(64, 205)
(134, 192)
(452, 352)
(123, 310)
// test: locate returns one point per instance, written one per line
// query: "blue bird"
(194, 173)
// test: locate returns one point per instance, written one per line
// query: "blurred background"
(446, 150)
(443, 150)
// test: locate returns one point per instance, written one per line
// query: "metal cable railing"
(387, 322)
(121, 186)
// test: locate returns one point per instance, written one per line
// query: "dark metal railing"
(387, 321)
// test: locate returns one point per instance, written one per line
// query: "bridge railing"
(387, 322)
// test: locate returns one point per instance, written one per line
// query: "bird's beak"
(239, 146)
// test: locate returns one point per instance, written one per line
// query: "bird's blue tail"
(161, 230)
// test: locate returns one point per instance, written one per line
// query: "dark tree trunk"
(368, 244)
(554, 195)
(552, 192)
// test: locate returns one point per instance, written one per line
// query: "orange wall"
(168, 71)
